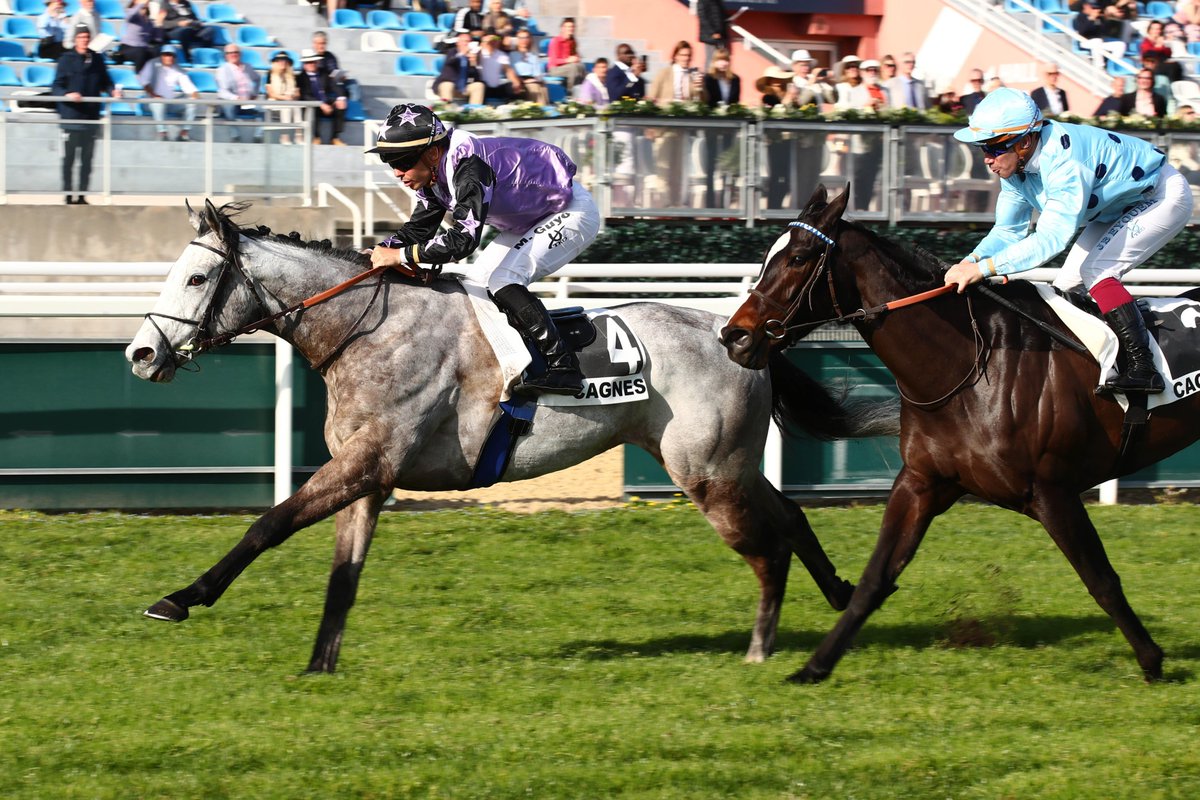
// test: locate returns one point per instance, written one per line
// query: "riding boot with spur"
(531, 317)
(1140, 375)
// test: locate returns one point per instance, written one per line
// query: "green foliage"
(593, 655)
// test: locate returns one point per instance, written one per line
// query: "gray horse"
(413, 389)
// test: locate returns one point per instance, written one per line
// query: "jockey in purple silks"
(522, 187)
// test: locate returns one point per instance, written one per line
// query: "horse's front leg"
(357, 471)
(355, 528)
(912, 505)
(1066, 520)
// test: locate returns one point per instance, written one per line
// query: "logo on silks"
(612, 366)
(1177, 335)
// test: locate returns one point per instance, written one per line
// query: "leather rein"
(783, 329)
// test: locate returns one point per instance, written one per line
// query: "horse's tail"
(800, 401)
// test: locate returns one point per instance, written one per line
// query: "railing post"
(1108, 493)
(284, 385)
(750, 170)
(773, 457)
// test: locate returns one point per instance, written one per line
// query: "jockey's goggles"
(402, 161)
(996, 148)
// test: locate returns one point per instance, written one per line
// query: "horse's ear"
(213, 219)
(833, 212)
(815, 203)
(198, 222)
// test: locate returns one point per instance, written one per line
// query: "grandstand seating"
(414, 65)
(109, 9)
(413, 42)
(9, 76)
(381, 20)
(420, 21)
(124, 77)
(255, 59)
(445, 22)
(38, 75)
(1156, 9)
(378, 42)
(13, 51)
(347, 18)
(209, 57)
(217, 13)
(28, 7)
(204, 81)
(20, 28)
(253, 36)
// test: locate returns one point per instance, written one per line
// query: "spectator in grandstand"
(1143, 99)
(329, 62)
(562, 58)
(1168, 70)
(52, 27)
(80, 73)
(972, 98)
(500, 80)
(993, 83)
(180, 23)
(469, 19)
(948, 101)
(86, 15)
(887, 69)
(594, 89)
(802, 65)
(1125, 10)
(722, 87)
(625, 78)
(1112, 103)
(316, 84)
(459, 79)
(161, 78)
(1176, 38)
(824, 90)
(870, 75)
(236, 80)
(497, 21)
(282, 85)
(1049, 98)
(778, 89)
(1155, 38)
(523, 188)
(866, 152)
(714, 28)
(140, 35)
(678, 82)
(1091, 23)
(905, 90)
(852, 91)
(528, 64)
(432, 7)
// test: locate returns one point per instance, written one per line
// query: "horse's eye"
(196, 280)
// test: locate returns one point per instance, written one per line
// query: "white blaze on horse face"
(152, 351)
(780, 243)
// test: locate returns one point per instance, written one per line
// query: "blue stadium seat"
(254, 36)
(1064, 20)
(556, 88)
(420, 21)
(20, 28)
(1053, 6)
(13, 51)
(9, 76)
(110, 9)
(347, 18)
(355, 111)
(437, 64)
(1159, 10)
(124, 77)
(221, 36)
(223, 13)
(414, 65)
(445, 22)
(209, 57)
(255, 59)
(28, 8)
(124, 109)
(1117, 70)
(204, 81)
(38, 75)
(544, 48)
(411, 42)
(1193, 48)
(382, 20)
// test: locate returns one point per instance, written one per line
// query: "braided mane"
(230, 211)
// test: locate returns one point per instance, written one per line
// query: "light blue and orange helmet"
(1002, 117)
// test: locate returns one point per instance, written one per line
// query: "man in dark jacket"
(714, 30)
(625, 77)
(81, 73)
(316, 84)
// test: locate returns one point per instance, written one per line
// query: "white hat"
(802, 55)
(870, 63)
(308, 56)
(850, 59)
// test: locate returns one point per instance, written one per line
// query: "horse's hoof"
(839, 598)
(168, 610)
(808, 676)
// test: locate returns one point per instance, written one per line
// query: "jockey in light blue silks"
(522, 187)
(1119, 189)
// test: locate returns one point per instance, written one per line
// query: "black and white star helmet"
(407, 133)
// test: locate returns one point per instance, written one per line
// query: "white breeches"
(1110, 249)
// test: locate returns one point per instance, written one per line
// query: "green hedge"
(655, 242)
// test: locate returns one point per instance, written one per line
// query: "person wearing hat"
(1128, 200)
(523, 188)
(80, 73)
(162, 78)
(866, 150)
(282, 86)
(53, 27)
(808, 90)
(316, 84)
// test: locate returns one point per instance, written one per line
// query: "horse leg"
(912, 505)
(355, 528)
(1066, 520)
(356, 472)
(807, 547)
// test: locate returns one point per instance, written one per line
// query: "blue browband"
(813, 231)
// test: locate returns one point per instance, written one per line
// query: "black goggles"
(997, 149)
(402, 161)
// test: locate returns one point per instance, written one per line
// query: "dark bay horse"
(412, 389)
(991, 406)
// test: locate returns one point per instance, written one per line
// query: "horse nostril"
(731, 337)
(143, 354)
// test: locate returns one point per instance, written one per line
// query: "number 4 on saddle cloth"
(611, 358)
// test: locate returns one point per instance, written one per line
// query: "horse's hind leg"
(355, 528)
(807, 547)
(1066, 520)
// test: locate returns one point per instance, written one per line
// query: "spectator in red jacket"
(562, 59)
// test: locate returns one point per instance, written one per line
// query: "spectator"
(1162, 68)
(887, 69)
(316, 84)
(162, 78)
(432, 7)
(1113, 103)
(594, 89)
(500, 81)
(180, 23)
(1155, 39)
(774, 86)
(824, 91)
(866, 151)
(680, 81)
(802, 64)
(52, 27)
(1176, 39)
(777, 88)
(870, 73)
(972, 98)
(139, 36)
(528, 65)
(562, 59)
(87, 16)
(722, 87)
(80, 73)
(625, 78)
(469, 19)
(236, 81)
(714, 28)
(993, 83)
(852, 92)
(948, 101)
(1143, 99)
(1090, 23)
(459, 79)
(498, 22)
(329, 62)
(905, 90)
(282, 85)
(1049, 98)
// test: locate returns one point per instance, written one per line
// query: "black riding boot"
(1139, 375)
(527, 313)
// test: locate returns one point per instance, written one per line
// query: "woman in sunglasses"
(1120, 190)
(523, 188)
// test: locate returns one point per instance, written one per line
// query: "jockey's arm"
(472, 187)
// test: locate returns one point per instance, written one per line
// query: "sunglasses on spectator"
(402, 161)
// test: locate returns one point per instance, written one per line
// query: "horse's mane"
(919, 267)
(229, 212)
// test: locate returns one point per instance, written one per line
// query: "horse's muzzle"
(149, 365)
(743, 348)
